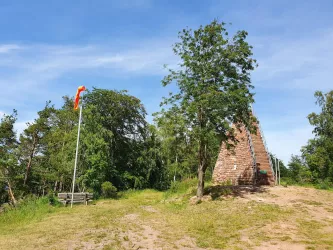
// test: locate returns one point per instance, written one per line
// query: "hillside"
(271, 218)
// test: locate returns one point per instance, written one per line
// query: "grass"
(164, 219)
(314, 233)
(323, 185)
(30, 210)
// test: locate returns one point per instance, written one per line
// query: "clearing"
(266, 218)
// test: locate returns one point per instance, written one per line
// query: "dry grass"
(153, 220)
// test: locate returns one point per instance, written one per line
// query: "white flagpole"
(77, 151)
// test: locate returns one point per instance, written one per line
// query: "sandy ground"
(311, 204)
(309, 225)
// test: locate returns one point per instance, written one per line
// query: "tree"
(8, 158)
(31, 139)
(284, 171)
(176, 145)
(214, 87)
(318, 153)
(113, 138)
(298, 170)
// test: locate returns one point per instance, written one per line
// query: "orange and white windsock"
(77, 96)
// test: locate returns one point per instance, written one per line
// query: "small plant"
(52, 199)
(108, 190)
(325, 184)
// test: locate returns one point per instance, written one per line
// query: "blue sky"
(48, 48)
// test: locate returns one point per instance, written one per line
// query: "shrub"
(108, 190)
(325, 184)
(52, 199)
(182, 187)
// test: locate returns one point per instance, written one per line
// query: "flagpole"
(77, 151)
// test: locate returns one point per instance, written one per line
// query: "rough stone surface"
(262, 159)
(237, 165)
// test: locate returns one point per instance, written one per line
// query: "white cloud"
(6, 48)
(30, 70)
(52, 61)
(20, 126)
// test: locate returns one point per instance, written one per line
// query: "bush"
(325, 184)
(108, 190)
(182, 187)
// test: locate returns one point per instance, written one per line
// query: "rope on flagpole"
(77, 151)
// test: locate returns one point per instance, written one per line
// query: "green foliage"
(108, 190)
(284, 171)
(298, 170)
(31, 208)
(315, 165)
(182, 187)
(182, 190)
(9, 168)
(213, 90)
(325, 185)
(318, 154)
(52, 199)
(116, 145)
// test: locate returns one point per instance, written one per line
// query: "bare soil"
(281, 218)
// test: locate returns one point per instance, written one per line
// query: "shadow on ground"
(218, 191)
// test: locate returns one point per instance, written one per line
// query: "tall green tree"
(176, 145)
(114, 133)
(318, 153)
(298, 170)
(61, 144)
(8, 158)
(214, 86)
(33, 139)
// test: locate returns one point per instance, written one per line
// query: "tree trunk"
(202, 156)
(174, 176)
(55, 186)
(61, 184)
(44, 182)
(30, 159)
(11, 194)
(201, 181)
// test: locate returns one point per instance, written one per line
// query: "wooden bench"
(66, 198)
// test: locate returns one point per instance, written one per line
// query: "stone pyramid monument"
(248, 163)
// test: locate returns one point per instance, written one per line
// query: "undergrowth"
(323, 185)
(31, 208)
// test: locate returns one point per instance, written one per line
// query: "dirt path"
(308, 226)
(277, 218)
(313, 213)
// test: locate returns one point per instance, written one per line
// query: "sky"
(49, 48)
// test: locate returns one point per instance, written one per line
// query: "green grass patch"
(314, 233)
(235, 223)
(218, 223)
(26, 211)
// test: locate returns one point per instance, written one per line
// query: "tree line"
(315, 163)
(118, 145)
